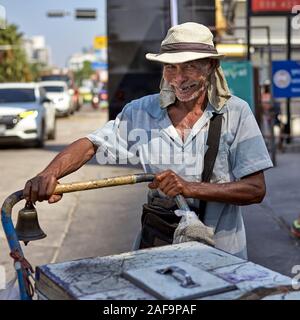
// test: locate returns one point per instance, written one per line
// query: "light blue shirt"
(143, 133)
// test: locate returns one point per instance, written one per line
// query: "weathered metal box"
(107, 277)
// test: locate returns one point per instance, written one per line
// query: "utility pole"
(174, 12)
(288, 100)
(248, 29)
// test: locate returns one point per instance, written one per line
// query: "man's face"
(188, 79)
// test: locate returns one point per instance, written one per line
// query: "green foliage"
(36, 69)
(83, 73)
(13, 61)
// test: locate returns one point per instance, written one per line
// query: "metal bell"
(28, 228)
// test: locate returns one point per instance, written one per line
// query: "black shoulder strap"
(213, 142)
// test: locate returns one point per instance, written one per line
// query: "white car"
(26, 114)
(58, 92)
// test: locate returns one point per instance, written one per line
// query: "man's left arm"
(248, 190)
(248, 159)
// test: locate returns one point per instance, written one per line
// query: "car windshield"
(53, 88)
(56, 77)
(8, 95)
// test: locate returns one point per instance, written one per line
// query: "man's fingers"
(54, 198)
(34, 190)
(51, 187)
(27, 190)
(165, 182)
(40, 188)
(153, 185)
(172, 192)
(170, 188)
(161, 180)
(42, 191)
(160, 176)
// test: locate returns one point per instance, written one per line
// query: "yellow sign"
(232, 49)
(100, 42)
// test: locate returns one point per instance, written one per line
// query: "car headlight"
(28, 113)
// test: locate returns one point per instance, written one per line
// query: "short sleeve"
(112, 139)
(248, 152)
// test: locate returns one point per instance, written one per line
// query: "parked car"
(58, 92)
(26, 114)
(76, 100)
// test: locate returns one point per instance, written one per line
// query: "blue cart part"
(22, 266)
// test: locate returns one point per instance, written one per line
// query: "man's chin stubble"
(195, 95)
(192, 97)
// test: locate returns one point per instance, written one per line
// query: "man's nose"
(180, 76)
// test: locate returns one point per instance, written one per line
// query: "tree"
(36, 69)
(84, 73)
(13, 61)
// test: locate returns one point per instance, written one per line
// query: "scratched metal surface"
(100, 277)
(284, 296)
(248, 276)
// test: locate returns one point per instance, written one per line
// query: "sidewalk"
(294, 146)
(270, 242)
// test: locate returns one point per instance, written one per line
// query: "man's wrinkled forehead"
(199, 62)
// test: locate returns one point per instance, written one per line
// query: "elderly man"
(172, 127)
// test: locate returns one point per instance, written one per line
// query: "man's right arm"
(42, 186)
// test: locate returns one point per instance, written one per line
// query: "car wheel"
(67, 113)
(52, 133)
(78, 106)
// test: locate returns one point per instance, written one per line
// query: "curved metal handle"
(179, 274)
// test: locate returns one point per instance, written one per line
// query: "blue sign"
(286, 79)
(96, 65)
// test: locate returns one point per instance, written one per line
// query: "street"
(105, 221)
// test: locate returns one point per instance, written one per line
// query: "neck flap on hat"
(218, 91)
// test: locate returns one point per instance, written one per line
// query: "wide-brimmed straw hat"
(186, 42)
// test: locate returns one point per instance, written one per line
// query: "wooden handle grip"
(94, 184)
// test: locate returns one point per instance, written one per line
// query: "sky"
(64, 36)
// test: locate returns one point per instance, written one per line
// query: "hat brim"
(181, 57)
